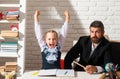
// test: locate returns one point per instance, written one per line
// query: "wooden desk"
(78, 75)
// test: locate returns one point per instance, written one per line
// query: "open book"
(57, 72)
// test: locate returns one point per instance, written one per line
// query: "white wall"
(82, 12)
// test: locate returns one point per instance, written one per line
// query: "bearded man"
(93, 50)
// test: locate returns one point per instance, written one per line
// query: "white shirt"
(99, 68)
(39, 35)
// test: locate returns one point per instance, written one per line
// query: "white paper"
(47, 72)
(56, 72)
(65, 73)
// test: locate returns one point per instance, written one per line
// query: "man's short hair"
(98, 24)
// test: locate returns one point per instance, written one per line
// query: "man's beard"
(95, 40)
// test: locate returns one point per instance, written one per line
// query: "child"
(51, 44)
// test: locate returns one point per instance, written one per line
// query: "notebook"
(57, 72)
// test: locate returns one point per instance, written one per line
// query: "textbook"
(57, 72)
(9, 33)
(12, 15)
(9, 47)
(10, 66)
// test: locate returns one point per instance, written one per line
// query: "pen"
(65, 72)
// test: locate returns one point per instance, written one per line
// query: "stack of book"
(9, 47)
(2, 68)
(12, 15)
(9, 34)
(10, 66)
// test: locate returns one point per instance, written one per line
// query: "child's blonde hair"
(51, 31)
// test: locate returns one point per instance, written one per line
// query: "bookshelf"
(20, 55)
(4, 21)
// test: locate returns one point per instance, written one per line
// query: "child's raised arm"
(64, 29)
(67, 19)
(37, 28)
(36, 16)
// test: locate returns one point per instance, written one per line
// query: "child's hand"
(67, 16)
(66, 13)
(37, 13)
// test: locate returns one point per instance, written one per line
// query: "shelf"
(8, 21)
(20, 55)
(11, 38)
(5, 54)
(8, 38)
(9, 5)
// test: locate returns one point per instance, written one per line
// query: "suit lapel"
(97, 51)
(88, 50)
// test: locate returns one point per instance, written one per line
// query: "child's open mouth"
(52, 45)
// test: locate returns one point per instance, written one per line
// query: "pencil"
(35, 73)
(79, 64)
(103, 75)
(65, 72)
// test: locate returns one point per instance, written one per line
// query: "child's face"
(51, 39)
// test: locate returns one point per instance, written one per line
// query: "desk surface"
(78, 75)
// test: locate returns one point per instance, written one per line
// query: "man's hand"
(91, 69)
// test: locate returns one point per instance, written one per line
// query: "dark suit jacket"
(82, 49)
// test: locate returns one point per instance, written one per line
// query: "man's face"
(96, 34)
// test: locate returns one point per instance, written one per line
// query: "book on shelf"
(9, 47)
(57, 72)
(9, 44)
(10, 63)
(2, 68)
(9, 33)
(10, 69)
(8, 51)
(12, 15)
(12, 12)
(10, 66)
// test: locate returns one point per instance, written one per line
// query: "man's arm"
(72, 54)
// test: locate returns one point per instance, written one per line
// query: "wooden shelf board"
(8, 21)
(9, 5)
(5, 54)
